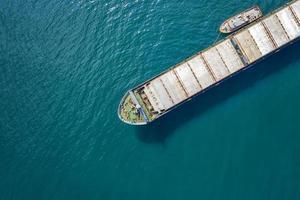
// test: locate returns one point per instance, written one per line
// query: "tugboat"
(240, 20)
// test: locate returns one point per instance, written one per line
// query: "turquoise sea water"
(64, 66)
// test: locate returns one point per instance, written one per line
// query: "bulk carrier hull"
(208, 68)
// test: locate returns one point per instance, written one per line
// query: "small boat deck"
(238, 21)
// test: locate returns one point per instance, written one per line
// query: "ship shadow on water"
(164, 127)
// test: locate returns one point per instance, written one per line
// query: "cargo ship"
(240, 20)
(163, 93)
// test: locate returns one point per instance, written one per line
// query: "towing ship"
(224, 59)
(240, 20)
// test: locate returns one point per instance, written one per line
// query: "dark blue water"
(64, 66)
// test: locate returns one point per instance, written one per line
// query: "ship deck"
(210, 66)
(242, 19)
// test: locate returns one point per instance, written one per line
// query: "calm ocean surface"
(65, 65)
